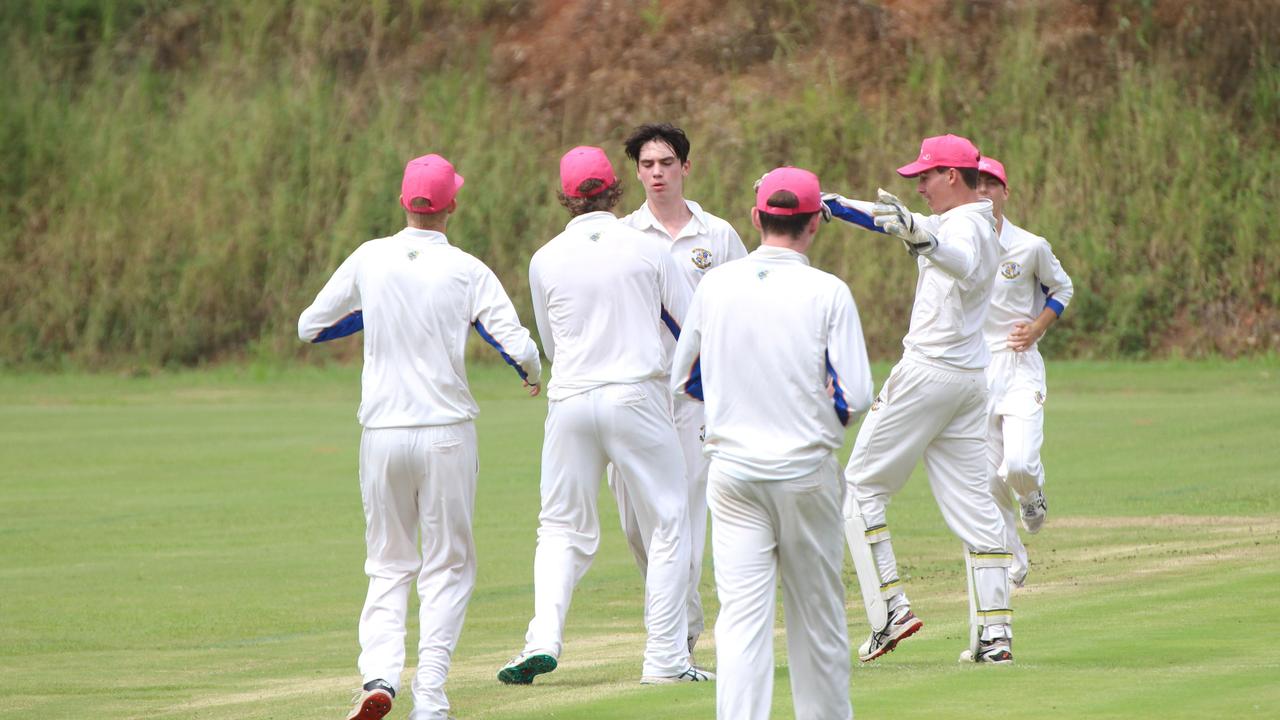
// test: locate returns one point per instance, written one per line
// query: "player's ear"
(755, 219)
(815, 222)
(685, 167)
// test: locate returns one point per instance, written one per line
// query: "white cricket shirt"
(706, 241)
(417, 297)
(953, 288)
(603, 295)
(762, 338)
(1029, 279)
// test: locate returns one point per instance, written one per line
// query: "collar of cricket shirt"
(773, 252)
(428, 235)
(591, 217)
(699, 216)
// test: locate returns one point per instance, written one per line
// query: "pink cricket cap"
(993, 167)
(431, 178)
(585, 163)
(802, 183)
(943, 151)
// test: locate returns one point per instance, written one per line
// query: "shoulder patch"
(413, 254)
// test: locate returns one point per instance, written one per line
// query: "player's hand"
(824, 208)
(890, 215)
(533, 389)
(1024, 335)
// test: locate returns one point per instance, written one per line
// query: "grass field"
(189, 546)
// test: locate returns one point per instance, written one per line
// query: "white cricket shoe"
(693, 674)
(997, 651)
(902, 624)
(373, 701)
(1034, 511)
(524, 667)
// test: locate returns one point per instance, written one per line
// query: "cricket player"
(1031, 291)
(698, 241)
(417, 298)
(774, 423)
(933, 406)
(602, 295)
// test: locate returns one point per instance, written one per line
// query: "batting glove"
(893, 217)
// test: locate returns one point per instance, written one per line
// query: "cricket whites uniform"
(1029, 280)
(705, 242)
(417, 298)
(763, 338)
(603, 294)
(934, 405)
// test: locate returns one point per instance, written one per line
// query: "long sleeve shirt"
(953, 288)
(603, 296)
(763, 338)
(416, 297)
(1029, 279)
(705, 242)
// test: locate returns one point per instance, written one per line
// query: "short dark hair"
(968, 175)
(666, 132)
(602, 200)
(789, 225)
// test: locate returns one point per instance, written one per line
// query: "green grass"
(190, 545)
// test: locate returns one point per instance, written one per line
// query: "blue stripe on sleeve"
(671, 323)
(1055, 306)
(693, 383)
(842, 405)
(484, 334)
(848, 214)
(349, 325)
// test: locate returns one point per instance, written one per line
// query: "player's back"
(598, 296)
(765, 323)
(417, 295)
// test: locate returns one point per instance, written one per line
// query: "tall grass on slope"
(174, 211)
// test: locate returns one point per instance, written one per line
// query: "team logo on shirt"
(1010, 270)
(1039, 398)
(701, 258)
(762, 274)
(413, 254)
(594, 237)
(879, 402)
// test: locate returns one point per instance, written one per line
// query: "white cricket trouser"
(629, 425)
(939, 414)
(758, 531)
(690, 419)
(1015, 434)
(417, 482)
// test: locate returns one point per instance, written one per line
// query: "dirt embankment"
(601, 62)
